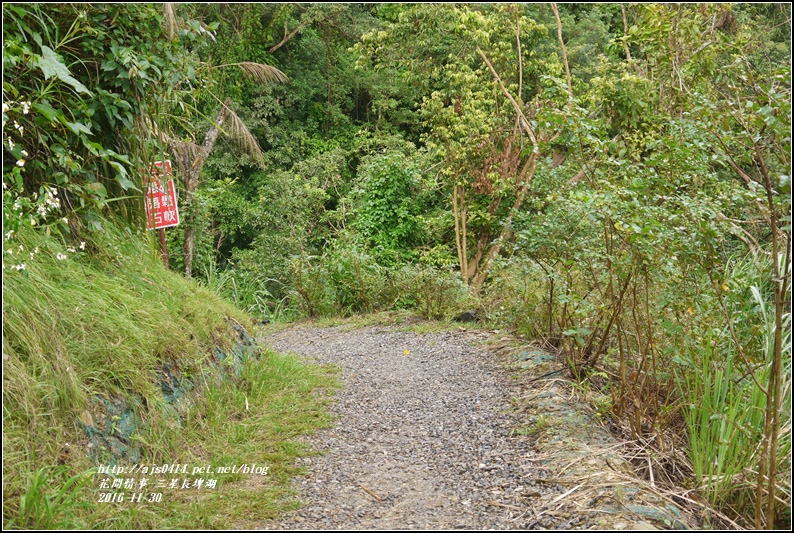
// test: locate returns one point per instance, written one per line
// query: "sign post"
(163, 248)
(161, 206)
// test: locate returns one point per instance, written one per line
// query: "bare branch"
(287, 37)
(525, 179)
(564, 54)
(523, 119)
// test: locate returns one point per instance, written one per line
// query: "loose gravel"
(424, 439)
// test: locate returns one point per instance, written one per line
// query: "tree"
(191, 157)
(490, 141)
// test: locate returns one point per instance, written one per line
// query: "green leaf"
(51, 66)
(47, 111)
(97, 188)
(93, 147)
(121, 177)
(78, 127)
(16, 151)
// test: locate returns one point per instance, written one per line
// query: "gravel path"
(423, 438)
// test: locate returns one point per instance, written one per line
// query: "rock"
(467, 316)
(86, 418)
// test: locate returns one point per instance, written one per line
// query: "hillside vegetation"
(612, 180)
(109, 358)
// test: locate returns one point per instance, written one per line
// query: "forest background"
(611, 179)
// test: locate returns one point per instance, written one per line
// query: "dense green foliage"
(614, 180)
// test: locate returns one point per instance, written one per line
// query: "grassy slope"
(101, 322)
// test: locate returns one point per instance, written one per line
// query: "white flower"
(10, 251)
(71, 250)
(8, 235)
(25, 153)
(60, 256)
(82, 245)
(11, 144)
(21, 267)
(52, 200)
(21, 163)
(6, 107)
(25, 107)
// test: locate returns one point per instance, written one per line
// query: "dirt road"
(427, 437)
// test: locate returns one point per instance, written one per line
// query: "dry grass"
(243, 137)
(262, 73)
(148, 127)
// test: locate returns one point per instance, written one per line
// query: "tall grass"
(99, 322)
(247, 290)
(724, 420)
(52, 499)
(725, 416)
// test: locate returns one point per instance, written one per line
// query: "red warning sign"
(161, 207)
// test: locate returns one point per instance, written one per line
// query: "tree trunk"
(192, 170)
(527, 173)
(780, 281)
(625, 32)
(458, 242)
